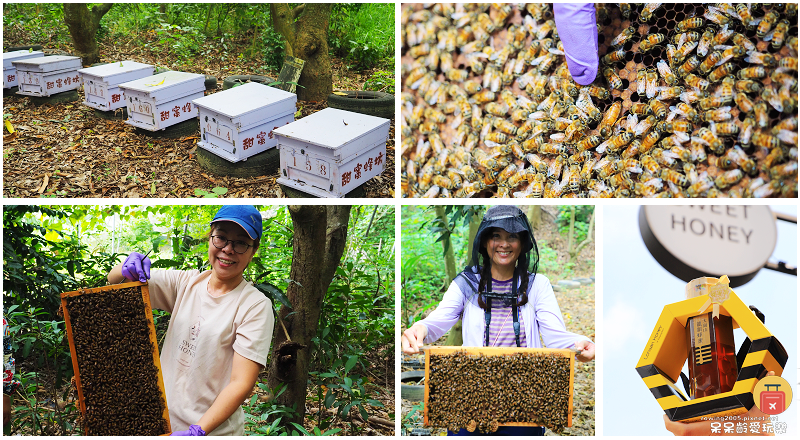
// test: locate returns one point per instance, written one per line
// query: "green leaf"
(329, 399)
(351, 362)
(273, 293)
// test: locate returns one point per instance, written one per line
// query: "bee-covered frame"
(665, 353)
(500, 351)
(148, 311)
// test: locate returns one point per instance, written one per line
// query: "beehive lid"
(49, 63)
(247, 98)
(111, 69)
(332, 128)
(165, 81)
(18, 55)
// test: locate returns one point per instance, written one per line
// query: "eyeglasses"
(220, 241)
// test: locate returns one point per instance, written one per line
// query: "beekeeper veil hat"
(512, 220)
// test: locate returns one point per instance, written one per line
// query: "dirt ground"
(64, 150)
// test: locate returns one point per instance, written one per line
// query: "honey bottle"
(712, 355)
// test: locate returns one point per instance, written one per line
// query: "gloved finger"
(146, 267)
(577, 28)
(137, 263)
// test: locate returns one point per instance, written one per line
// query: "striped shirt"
(501, 326)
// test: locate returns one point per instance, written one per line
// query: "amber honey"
(712, 356)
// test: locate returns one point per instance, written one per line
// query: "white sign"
(710, 239)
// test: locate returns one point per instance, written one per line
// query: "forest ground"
(64, 150)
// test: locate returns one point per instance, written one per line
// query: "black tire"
(413, 393)
(69, 96)
(242, 79)
(181, 129)
(261, 164)
(10, 92)
(211, 82)
(15, 48)
(118, 114)
(369, 103)
(293, 193)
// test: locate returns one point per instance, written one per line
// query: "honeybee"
(484, 96)
(721, 72)
(613, 79)
(610, 117)
(640, 109)
(625, 8)
(651, 79)
(772, 98)
(429, 127)
(754, 72)
(699, 188)
(475, 63)
(775, 155)
(419, 50)
(537, 186)
(724, 34)
(588, 142)
(698, 151)
(652, 40)
(614, 57)
(725, 129)
(648, 10)
(696, 82)
(519, 115)
(740, 158)
(728, 178)
(574, 178)
(778, 35)
(705, 42)
(624, 36)
(518, 37)
(670, 93)
(678, 126)
(692, 96)
(784, 170)
(717, 115)
(506, 173)
(644, 125)
(762, 117)
(764, 140)
(659, 108)
(615, 143)
(683, 52)
(584, 102)
(555, 168)
(747, 86)
(470, 189)
(484, 160)
(709, 62)
(689, 23)
(496, 137)
(537, 164)
(503, 11)
(650, 140)
(743, 9)
(686, 110)
(689, 66)
(433, 114)
(620, 180)
(706, 136)
(713, 14)
(649, 164)
(761, 58)
(550, 148)
(674, 177)
(767, 23)
(597, 92)
(666, 73)
(746, 133)
(469, 173)
(496, 108)
(664, 157)
(641, 81)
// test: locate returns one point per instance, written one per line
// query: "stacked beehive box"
(101, 83)
(9, 71)
(160, 101)
(46, 76)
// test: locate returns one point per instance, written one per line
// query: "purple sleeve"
(548, 318)
(577, 28)
(447, 313)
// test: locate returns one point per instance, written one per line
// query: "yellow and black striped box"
(666, 351)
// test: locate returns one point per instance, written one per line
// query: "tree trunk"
(447, 246)
(307, 39)
(589, 235)
(535, 216)
(320, 234)
(82, 24)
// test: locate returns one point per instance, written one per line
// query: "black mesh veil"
(512, 220)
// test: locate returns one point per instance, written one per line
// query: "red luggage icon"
(773, 402)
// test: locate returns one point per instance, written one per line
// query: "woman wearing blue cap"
(220, 330)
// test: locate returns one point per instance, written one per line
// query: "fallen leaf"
(9, 127)
(44, 184)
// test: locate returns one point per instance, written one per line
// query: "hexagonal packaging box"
(239, 122)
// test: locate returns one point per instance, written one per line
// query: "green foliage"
(214, 193)
(413, 418)
(264, 418)
(36, 23)
(582, 217)
(274, 48)
(363, 33)
(346, 391)
(183, 41)
(381, 81)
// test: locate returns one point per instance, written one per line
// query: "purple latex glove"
(136, 267)
(193, 430)
(577, 28)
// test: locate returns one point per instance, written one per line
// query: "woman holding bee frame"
(500, 302)
(220, 330)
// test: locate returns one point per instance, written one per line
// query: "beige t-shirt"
(203, 333)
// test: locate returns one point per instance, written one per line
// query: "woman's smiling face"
(225, 262)
(503, 248)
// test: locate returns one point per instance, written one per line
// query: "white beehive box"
(159, 101)
(237, 123)
(9, 71)
(332, 151)
(45, 76)
(101, 83)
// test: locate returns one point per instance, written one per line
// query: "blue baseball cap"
(246, 216)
